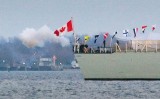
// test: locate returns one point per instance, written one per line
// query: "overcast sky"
(89, 16)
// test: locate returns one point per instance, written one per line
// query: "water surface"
(69, 84)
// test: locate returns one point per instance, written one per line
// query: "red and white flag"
(65, 28)
(105, 35)
(153, 27)
(135, 30)
(143, 28)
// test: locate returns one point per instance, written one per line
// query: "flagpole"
(110, 44)
(111, 40)
(74, 36)
(73, 26)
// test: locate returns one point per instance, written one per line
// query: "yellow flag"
(86, 38)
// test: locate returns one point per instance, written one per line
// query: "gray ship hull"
(120, 66)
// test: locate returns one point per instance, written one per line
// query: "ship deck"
(120, 66)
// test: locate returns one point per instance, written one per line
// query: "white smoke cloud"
(32, 37)
(64, 41)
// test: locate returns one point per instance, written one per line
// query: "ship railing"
(130, 46)
(101, 50)
(94, 50)
(138, 46)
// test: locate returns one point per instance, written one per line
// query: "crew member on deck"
(86, 49)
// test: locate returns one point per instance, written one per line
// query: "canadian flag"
(105, 35)
(65, 28)
(153, 27)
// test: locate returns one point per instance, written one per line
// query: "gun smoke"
(32, 37)
(32, 44)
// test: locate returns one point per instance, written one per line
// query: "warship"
(136, 59)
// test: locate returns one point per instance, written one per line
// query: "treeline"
(13, 51)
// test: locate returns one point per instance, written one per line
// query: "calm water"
(69, 84)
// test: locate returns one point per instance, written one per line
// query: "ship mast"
(74, 36)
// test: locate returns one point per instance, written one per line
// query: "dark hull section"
(122, 79)
(3, 68)
(45, 68)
